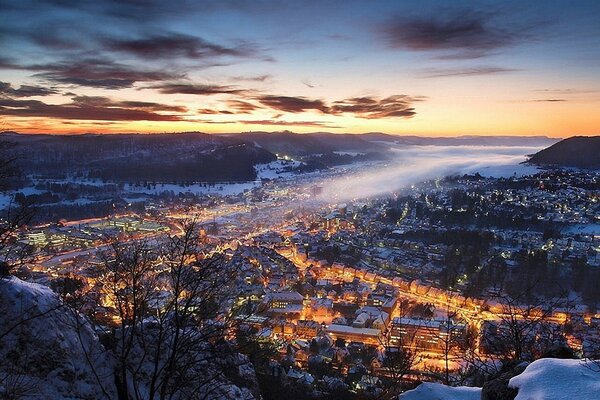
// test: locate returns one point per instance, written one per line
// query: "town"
(438, 274)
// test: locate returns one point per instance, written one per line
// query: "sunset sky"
(438, 68)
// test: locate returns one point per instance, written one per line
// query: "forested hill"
(134, 157)
(577, 151)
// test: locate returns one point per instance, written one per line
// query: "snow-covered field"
(222, 188)
(276, 169)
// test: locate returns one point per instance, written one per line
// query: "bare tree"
(12, 217)
(401, 355)
(13, 383)
(450, 336)
(525, 326)
(172, 323)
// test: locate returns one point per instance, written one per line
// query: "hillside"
(48, 351)
(200, 157)
(373, 142)
(42, 353)
(178, 157)
(458, 140)
(296, 144)
(577, 151)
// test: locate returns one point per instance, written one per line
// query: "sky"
(430, 68)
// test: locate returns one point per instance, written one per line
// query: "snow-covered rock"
(437, 391)
(544, 379)
(47, 351)
(557, 379)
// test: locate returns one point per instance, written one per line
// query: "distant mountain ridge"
(320, 142)
(191, 156)
(201, 157)
(576, 151)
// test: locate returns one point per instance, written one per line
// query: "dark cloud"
(308, 83)
(209, 111)
(86, 108)
(464, 34)
(134, 11)
(373, 108)
(361, 107)
(197, 89)
(548, 100)
(242, 107)
(319, 124)
(208, 121)
(257, 78)
(98, 73)
(293, 104)
(25, 90)
(233, 107)
(101, 101)
(472, 71)
(171, 45)
(7, 63)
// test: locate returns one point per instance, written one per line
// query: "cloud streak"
(368, 107)
(196, 89)
(172, 45)
(292, 104)
(90, 108)
(319, 124)
(464, 72)
(25, 90)
(98, 73)
(461, 34)
(373, 108)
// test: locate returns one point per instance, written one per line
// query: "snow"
(437, 391)
(6, 199)
(556, 379)
(45, 346)
(223, 188)
(349, 153)
(587, 229)
(277, 169)
(507, 170)
(544, 379)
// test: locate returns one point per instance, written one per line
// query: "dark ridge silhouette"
(577, 151)
(182, 157)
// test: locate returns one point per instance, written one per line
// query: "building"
(352, 334)
(424, 334)
(308, 328)
(285, 303)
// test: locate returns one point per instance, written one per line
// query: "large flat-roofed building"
(353, 334)
(424, 334)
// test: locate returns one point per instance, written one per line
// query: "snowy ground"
(437, 391)
(555, 379)
(222, 188)
(544, 379)
(587, 229)
(276, 169)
